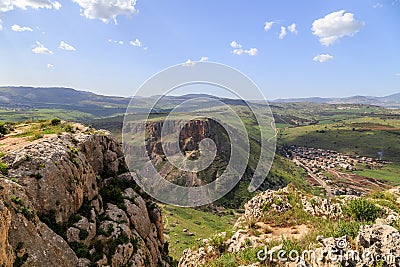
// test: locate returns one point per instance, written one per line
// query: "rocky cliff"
(191, 134)
(67, 200)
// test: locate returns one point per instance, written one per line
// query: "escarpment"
(68, 200)
(160, 137)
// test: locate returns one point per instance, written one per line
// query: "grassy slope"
(202, 224)
(43, 114)
(366, 136)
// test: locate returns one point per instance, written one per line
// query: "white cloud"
(115, 42)
(18, 28)
(377, 5)
(50, 66)
(322, 58)
(251, 52)
(292, 28)
(283, 33)
(238, 50)
(63, 45)
(8, 5)
(41, 49)
(334, 26)
(189, 63)
(136, 42)
(234, 44)
(397, 74)
(106, 10)
(268, 25)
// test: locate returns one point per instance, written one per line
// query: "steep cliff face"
(191, 134)
(66, 200)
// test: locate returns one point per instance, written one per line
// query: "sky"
(288, 48)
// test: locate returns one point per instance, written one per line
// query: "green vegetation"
(364, 137)
(362, 210)
(83, 234)
(55, 122)
(33, 115)
(202, 224)
(112, 193)
(19, 261)
(3, 129)
(389, 172)
(359, 212)
(3, 168)
(37, 130)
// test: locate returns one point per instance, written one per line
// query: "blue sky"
(352, 49)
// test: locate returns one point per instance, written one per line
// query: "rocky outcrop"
(31, 241)
(322, 207)
(267, 200)
(6, 253)
(66, 201)
(374, 244)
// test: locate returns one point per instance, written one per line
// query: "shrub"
(17, 200)
(3, 129)
(69, 129)
(362, 210)
(19, 261)
(81, 250)
(49, 219)
(3, 168)
(28, 213)
(83, 234)
(55, 121)
(74, 218)
(218, 242)
(36, 175)
(226, 260)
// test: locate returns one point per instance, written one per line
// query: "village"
(331, 169)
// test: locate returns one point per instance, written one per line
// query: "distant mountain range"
(71, 99)
(390, 101)
(61, 98)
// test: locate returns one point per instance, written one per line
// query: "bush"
(81, 250)
(218, 242)
(83, 234)
(226, 260)
(3, 129)
(362, 210)
(55, 121)
(69, 129)
(3, 168)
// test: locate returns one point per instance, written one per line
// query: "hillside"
(390, 101)
(289, 227)
(29, 103)
(66, 200)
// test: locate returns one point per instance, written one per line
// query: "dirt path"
(327, 188)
